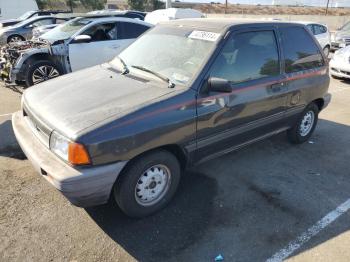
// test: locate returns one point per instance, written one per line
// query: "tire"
(133, 189)
(326, 51)
(15, 38)
(303, 129)
(44, 68)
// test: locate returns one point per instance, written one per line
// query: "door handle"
(277, 87)
(115, 46)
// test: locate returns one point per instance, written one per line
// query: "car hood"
(340, 34)
(9, 21)
(97, 95)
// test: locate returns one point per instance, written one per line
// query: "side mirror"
(82, 39)
(218, 85)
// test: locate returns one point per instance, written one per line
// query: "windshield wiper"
(160, 76)
(125, 67)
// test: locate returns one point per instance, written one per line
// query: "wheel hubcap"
(152, 185)
(44, 73)
(307, 123)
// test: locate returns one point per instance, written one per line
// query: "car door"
(104, 45)
(250, 60)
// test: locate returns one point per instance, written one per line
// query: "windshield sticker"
(204, 35)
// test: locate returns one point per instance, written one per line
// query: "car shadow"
(246, 205)
(166, 233)
(8, 143)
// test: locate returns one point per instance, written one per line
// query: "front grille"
(41, 131)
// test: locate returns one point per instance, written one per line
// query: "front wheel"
(148, 184)
(305, 125)
(41, 71)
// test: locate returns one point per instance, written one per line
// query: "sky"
(267, 2)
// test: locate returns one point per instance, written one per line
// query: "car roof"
(220, 24)
(112, 19)
(308, 23)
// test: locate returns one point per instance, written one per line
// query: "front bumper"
(339, 69)
(82, 186)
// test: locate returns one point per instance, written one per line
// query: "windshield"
(26, 15)
(175, 53)
(66, 30)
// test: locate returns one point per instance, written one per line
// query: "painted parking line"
(9, 114)
(311, 232)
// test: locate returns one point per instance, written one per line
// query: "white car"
(321, 33)
(162, 15)
(79, 43)
(340, 63)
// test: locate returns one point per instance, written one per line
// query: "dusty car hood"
(74, 102)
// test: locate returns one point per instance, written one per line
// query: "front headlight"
(59, 145)
(69, 151)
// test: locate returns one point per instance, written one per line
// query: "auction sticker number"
(204, 35)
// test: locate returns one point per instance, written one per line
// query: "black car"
(27, 15)
(185, 92)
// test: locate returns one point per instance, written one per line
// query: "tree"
(156, 4)
(42, 4)
(137, 4)
(94, 4)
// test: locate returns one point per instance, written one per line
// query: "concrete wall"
(333, 22)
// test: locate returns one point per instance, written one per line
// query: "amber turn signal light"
(77, 154)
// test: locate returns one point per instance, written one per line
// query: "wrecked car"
(77, 44)
(183, 93)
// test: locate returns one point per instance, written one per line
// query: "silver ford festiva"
(184, 92)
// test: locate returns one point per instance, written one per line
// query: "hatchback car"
(183, 93)
(23, 30)
(27, 15)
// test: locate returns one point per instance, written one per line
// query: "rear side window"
(319, 29)
(247, 56)
(300, 50)
(130, 30)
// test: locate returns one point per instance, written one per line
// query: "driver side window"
(248, 56)
(102, 32)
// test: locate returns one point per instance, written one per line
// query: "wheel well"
(37, 57)
(8, 38)
(320, 103)
(173, 148)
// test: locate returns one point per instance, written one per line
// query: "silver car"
(23, 30)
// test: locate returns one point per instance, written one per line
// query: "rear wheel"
(148, 184)
(305, 125)
(41, 71)
(15, 38)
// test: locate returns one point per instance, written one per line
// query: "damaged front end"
(11, 56)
